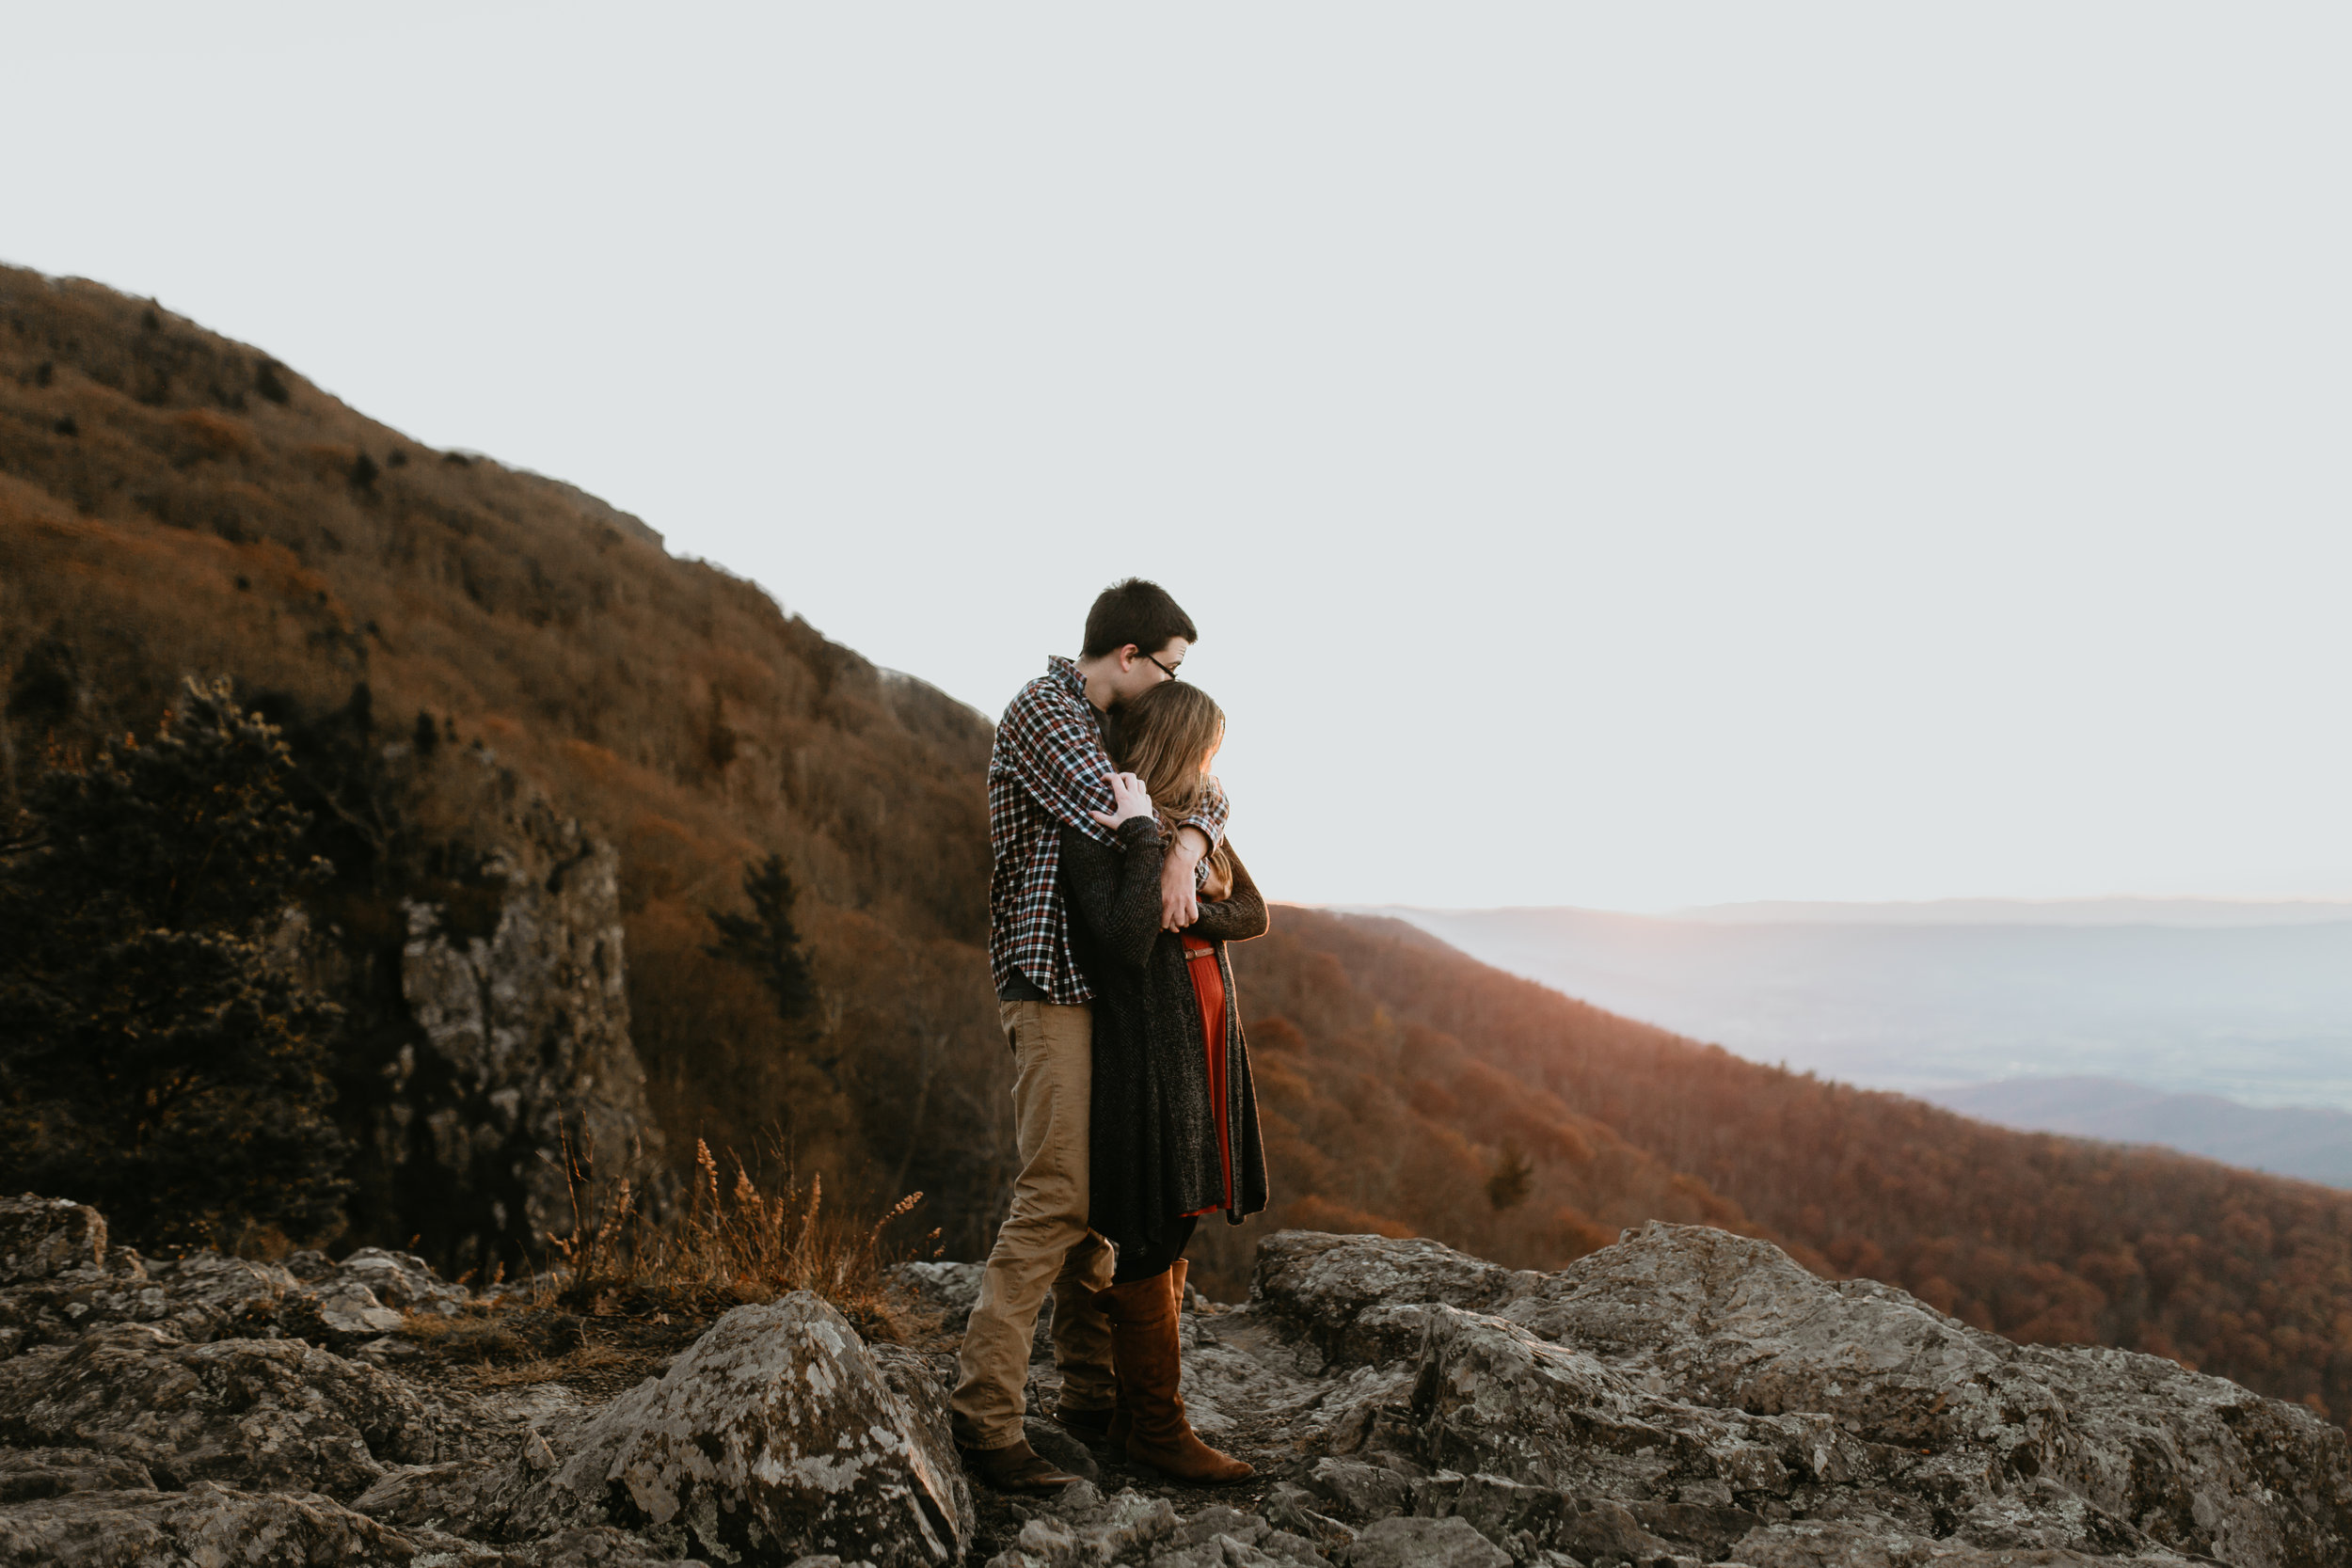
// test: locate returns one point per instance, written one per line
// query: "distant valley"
(2312, 1142)
(2219, 1027)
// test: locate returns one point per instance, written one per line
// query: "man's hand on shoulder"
(1180, 893)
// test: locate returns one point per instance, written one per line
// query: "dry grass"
(731, 1242)
(567, 1367)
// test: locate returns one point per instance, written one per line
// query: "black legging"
(1138, 1262)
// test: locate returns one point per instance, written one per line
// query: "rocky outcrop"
(1689, 1392)
(1685, 1397)
(1688, 1396)
(521, 1055)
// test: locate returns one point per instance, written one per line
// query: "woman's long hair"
(1166, 738)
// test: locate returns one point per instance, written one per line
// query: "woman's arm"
(1115, 893)
(1236, 917)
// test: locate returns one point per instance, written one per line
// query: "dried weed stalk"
(730, 1243)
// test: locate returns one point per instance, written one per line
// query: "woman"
(1175, 1118)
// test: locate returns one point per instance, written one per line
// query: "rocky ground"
(1684, 1398)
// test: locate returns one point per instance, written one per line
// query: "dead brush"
(731, 1244)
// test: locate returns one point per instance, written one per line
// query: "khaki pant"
(1044, 1242)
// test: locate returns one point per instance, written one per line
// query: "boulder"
(400, 1280)
(776, 1433)
(40, 1237)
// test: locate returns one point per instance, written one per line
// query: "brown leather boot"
(1092, 1425)
(1015, 1467)
(1149, 1358)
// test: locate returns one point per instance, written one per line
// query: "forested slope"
(172, 503)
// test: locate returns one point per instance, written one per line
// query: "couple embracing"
(1112, 897)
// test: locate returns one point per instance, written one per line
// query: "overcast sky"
(1624, 457)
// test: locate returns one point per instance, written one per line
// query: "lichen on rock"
(1686, 1397)
(777, 1426)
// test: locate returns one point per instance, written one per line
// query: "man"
(1051, 768)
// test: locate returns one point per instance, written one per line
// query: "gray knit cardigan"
(1155, 1129)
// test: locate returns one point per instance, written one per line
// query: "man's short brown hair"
(1135, 612)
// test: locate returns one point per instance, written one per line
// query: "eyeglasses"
(1168, 670)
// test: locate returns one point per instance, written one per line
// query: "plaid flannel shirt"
(1047, 769)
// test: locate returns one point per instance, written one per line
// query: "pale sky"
(1625, 456)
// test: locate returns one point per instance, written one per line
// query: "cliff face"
(1680, 1398)
(524, 1073)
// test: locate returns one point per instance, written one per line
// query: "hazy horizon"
(2196, 910)
(2254, 1010)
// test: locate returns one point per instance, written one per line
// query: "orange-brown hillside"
(172, 503)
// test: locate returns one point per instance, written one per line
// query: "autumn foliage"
(172, 503)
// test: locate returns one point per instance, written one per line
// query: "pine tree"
(766, 942)
(156, 1058)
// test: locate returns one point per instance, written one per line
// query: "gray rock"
(205, 1525)
(1086, 1528)
(775, 1431)
(204, 1296)
(27, 1474)
(207, 1296)
(1689, 1393)
(1291, 1507)
(1684, 1398)
(1358, 1296)
(400, 1280)
(947, 1288)
(1404, 1543)
(339, 1312)
(528, 1023)
(265, 1415)
(601, 1548)
(465, 1496)
(40, 1237)
(1498, 1507)
(1354, 1490)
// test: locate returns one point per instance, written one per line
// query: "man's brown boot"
(1092, 1425)
(1088, 1401)
(1099, 1425)
(1015, 1467)
(1149, 1358)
